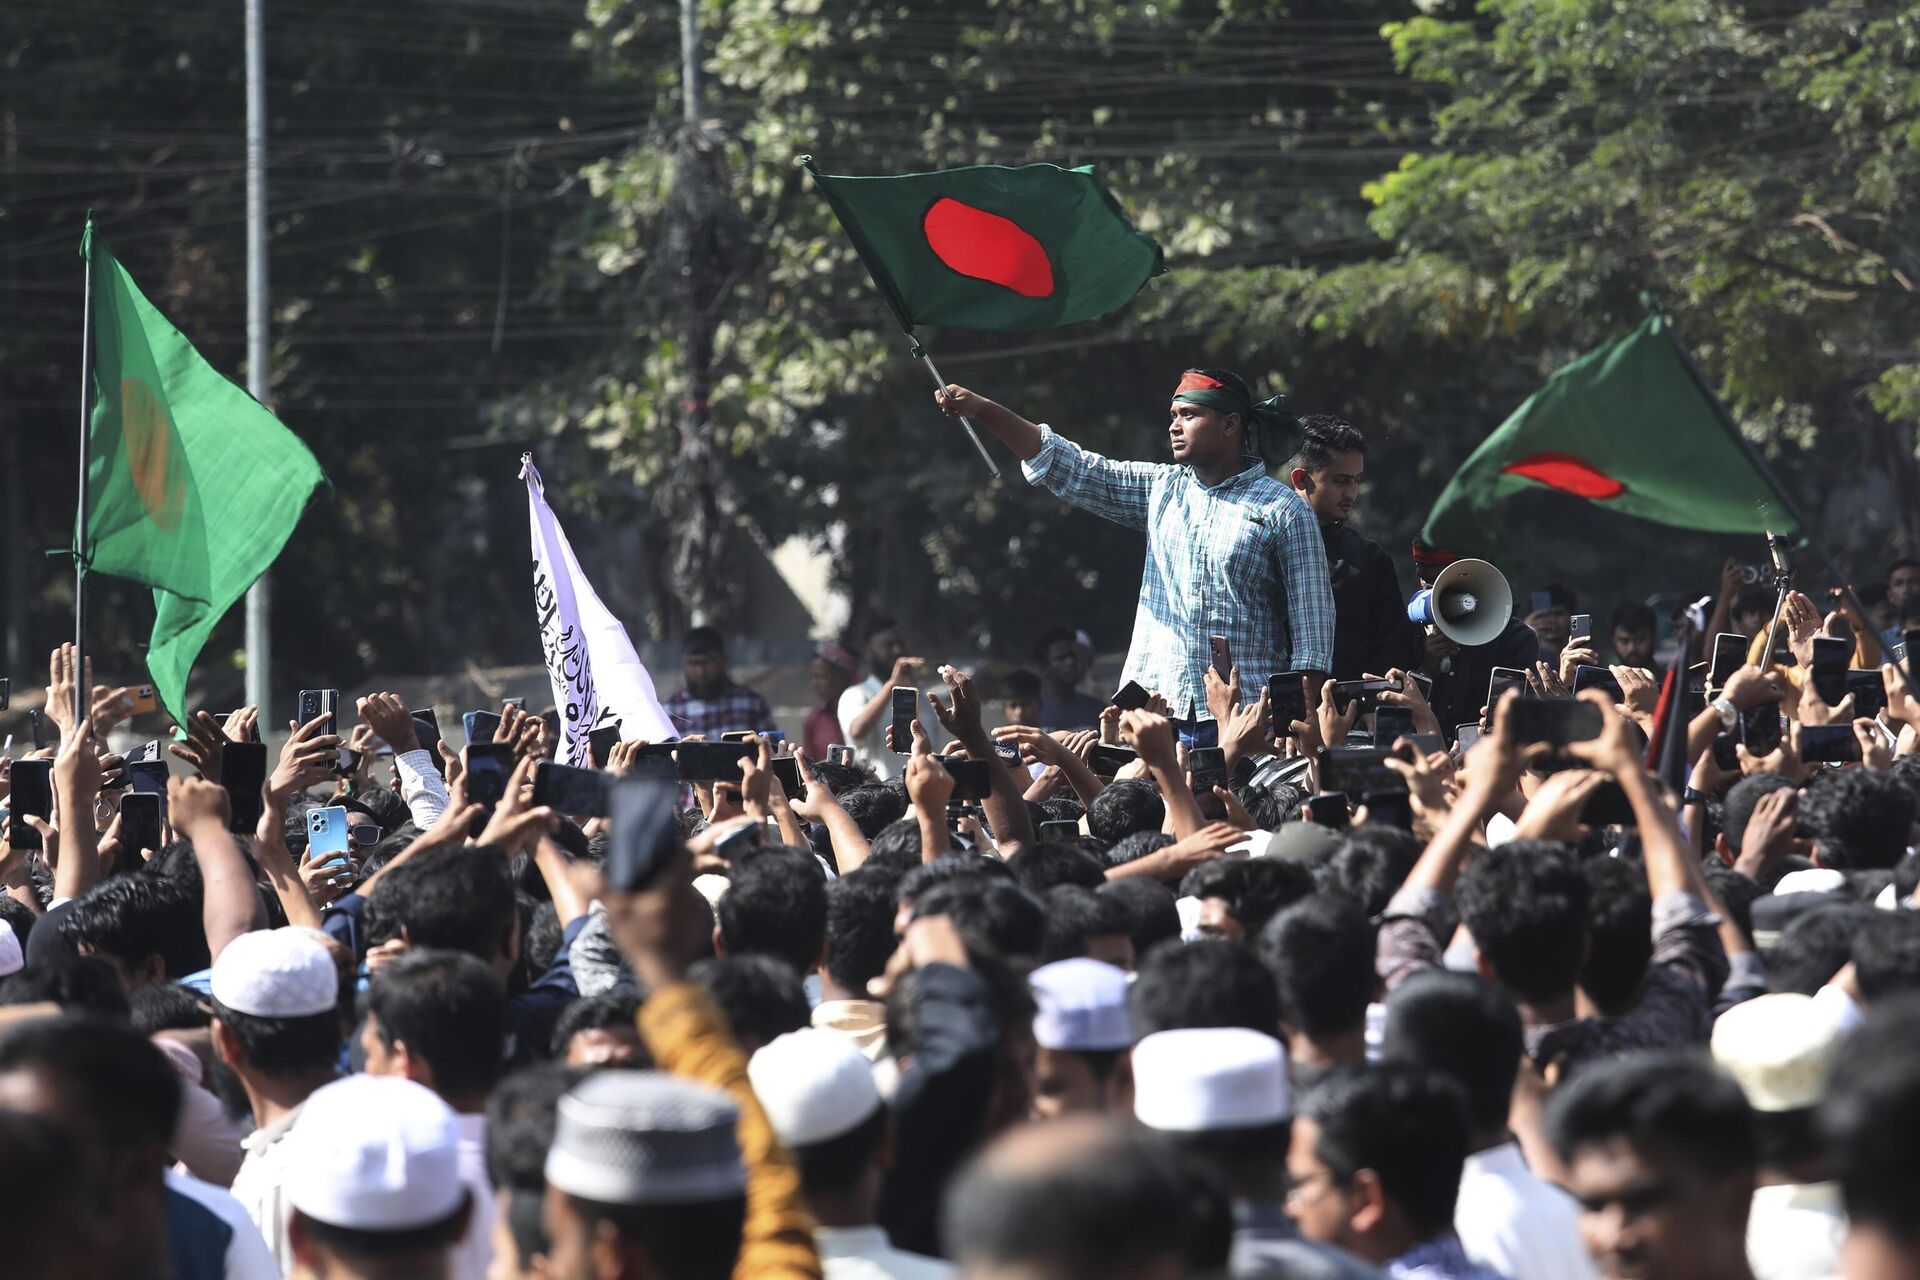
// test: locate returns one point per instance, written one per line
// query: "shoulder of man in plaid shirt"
(734, 709)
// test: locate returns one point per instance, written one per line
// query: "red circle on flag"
(988, 247)
(146, 433)
(1568, 474)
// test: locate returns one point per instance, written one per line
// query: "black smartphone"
(1556, 721)
(787, 770)
(1580, 628)
(971, 778)
(140, 823)
(1726, 752)
(1365, 692)
(32, 795)
(147, 777)
(1286, 699)
(643, 839)
(1107, 760)
(1222, 656)
(243, 772)
(37, 721)
(1008, 754)
(489, 765)
(1208, 767)
(1359, 771)
(1828, 744)
(1829, 674)
(565, 789)
(1330, 810)
(1060, 830)
(600, 744)
(480, 726)
(1606, 806)
(1911, 646)
(1391, 724)
(426, 727)
(518, 704)
(1729, 655)
(711, 761)
(1586, 676)
(1760, 728)
(906, 705)
(736, 735)
(1129, 697)
(318, 702)
(1427, 743)
(1869, 692)
(1503, 679)
(1390, 809)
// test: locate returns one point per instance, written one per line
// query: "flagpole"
(81, 692)
(259, 637)
(973, 433)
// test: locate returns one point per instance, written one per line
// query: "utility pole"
(260, 594)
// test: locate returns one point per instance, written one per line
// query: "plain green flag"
(192, 486)
(1625, 427)
(991, 247)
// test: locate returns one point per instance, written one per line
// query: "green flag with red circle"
(1626, 427)
(192, 486)
(993, 247)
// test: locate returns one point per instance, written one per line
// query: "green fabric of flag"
(1626, 427)
(991, 247)
(192, 486)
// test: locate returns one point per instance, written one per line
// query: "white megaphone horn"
(1469, 603)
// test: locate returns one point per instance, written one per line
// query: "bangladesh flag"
(192, 487)
(1627, 427)
(991, 247)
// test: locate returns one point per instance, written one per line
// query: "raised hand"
(387, 716)
(1151, 737)
(929, 785)
(307, 759)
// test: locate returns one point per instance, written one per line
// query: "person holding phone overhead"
(1231, 552)
(866, 708)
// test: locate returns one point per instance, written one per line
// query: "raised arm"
(1008, 427)
(1118, 491)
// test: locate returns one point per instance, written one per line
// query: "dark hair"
(1906, 875)
(896, 848)
(1753, 598)
(20, 916)
(1371, 864)
(1407, 1124)
(1074, 915)
(836, 1164)
(684, 1241)
(610, 1010)
(1049, 638)
(1904, 562)
(1465, 1028)
(168, 1006)
(1631, 617)
(840, 778)
(995, 913)
(459, 899)
(1886, 955)
(1321, 436)
(1525, 903)
(1871, 1113)
(703, 640)
(776, 905)
(78, 984)
(761, 996)
(875, 625)
(873, 806)
(1619, 932)
(1253, 889)
(285, 1046)
(1320, 953)
(1815, 947)
(1069, 809)
(860, 939)
(1672, 1101)
(1009, 1000)
(1152, 917)
(131, 917)
(356, 1244)
(111, 1080)
(965, 865)
(1210, 983)
(520, 1122)
(1735, 893)
(1271, 805)
(1047, 863)
(1860, 817)
(1135, 847)
(1020, 684)
(383, 805)
(449, 1010)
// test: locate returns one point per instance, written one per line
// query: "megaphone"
(1469, 603)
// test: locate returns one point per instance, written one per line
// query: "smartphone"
(1222, 656)
(489, 765)
(1503, 679)
(1329, 810)
(1586, 676)
(1555, 722)
(565, 789)
(1427, 743)
(327, 840)
(1726, 752)
(1208, 768)
(1729, 655)
(426, 727)
(1129, 697)
(709, 761)
(147, 777)
(787, 770)
(1390, 724)
(1359, 771)
(1008, 753)
(1760, 728)
(1365, 692)
(1607, 806)
(840, 753)
(32, 795)
(1580, 629)
(1828, 744)
(736, 735)
(140, 823)
(518, 704)
(1390, 809)
(1829, 672)
(1466, 735)
(600, 744)
(1287, 699)
(1869, 693)
(480, 726)
(144, 700)
(906, 705)
(972, 779)
(1059, 830)
(735, 844)
(37, 720)
(319, 702)
(643, 838)
(1910, 649)
(1107, 760)
(243, 772)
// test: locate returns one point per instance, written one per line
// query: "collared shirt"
(871, 746)
(1511, 1219)
(865, 1253)
(864, 1022)
(1243, 559)
(259, 1186)
(734, 709)
(421, 786)
(1795, 1232)
(1440, 1258)
(1266, 1242)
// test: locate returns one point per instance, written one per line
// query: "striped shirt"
(1243, 559)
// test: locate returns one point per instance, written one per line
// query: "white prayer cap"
(1201, 1079)
(813, 1085)
(1781, 1048)
(1811, 880)
(12, 958)
(1081, 1006)
(276, 973)
(374, 1153)
(645, 1137)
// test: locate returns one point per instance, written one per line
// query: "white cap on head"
(1200, 1079)
(374, 1153)
(276, 973)
(813, 1085)
(645, 1137)
(12, 958)
(1080, 1006)
(1781, 1049)
(1811, 880)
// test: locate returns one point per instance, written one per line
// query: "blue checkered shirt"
(734, 709)
(1244, 560)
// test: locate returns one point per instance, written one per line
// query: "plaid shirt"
(735, 709)
(1243, 559)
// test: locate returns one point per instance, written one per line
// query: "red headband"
(1191, 381)
(1425, 554)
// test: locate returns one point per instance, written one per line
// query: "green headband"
(1271, 413)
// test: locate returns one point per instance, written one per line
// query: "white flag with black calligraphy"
(597, 677)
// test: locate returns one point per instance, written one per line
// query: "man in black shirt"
(1371, 631)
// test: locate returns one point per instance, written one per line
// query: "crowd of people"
(1437, 978)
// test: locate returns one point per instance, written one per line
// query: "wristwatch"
(1728, 713)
